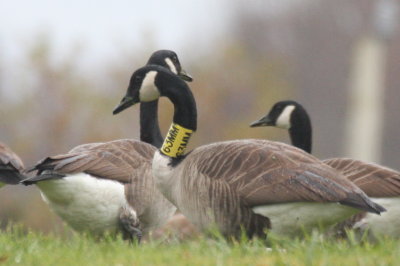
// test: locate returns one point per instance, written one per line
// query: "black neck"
(300, 131)
(185, 111)
(149, 128)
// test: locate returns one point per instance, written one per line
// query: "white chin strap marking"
(283, 120)
(149, 91)
(171, 65)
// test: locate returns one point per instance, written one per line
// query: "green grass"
(19, 247)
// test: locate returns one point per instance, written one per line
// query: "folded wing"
(375, 180)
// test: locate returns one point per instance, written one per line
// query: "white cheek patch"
(171, 65)
(283, 120)
(148, 91)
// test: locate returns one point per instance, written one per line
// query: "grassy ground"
(18, 247)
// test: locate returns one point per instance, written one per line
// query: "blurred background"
(64, 65)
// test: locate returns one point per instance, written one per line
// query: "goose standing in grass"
(11, 167)
(241, 184)
(379, 182)
(102, 187)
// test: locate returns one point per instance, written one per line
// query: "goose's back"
(265, 171)
(221, 183)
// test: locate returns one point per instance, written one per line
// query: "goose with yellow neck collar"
(108, 187)
(250, 184)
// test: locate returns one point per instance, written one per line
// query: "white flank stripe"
(86, 203)
(290, 219)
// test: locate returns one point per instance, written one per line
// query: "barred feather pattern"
(375, 180)
(218, 184)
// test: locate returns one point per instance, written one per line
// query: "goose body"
(240, 184)
(11, 166)
(108, 187)
(380, 183)
(96, 182)
(268, 195)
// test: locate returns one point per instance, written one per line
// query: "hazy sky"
(103, 25)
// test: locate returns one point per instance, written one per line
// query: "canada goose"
(379, 182)
(11, 166)
(101, 187)
(241, 184)
(292, 116)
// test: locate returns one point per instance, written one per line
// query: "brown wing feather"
(116, 160)
(265, 172)
(375, 180)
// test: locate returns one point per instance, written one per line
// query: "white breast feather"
(164, 177)
(162, 172)
(289, 219)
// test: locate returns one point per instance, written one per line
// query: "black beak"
(185, 76)
(126, 102)
(263, 122)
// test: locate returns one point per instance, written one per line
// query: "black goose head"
(169, 59)
(281, 115)
(147, 84)
(292, 116)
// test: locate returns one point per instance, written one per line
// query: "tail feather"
(45, 164)
(56, 162)
(362, 202)
(48, 175)
(11, 177)
(45, 171)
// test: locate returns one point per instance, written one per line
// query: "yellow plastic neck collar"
(176, 141)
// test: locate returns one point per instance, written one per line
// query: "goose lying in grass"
(11, 167)
(379, 182)
(249, 185)
(108, 187)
